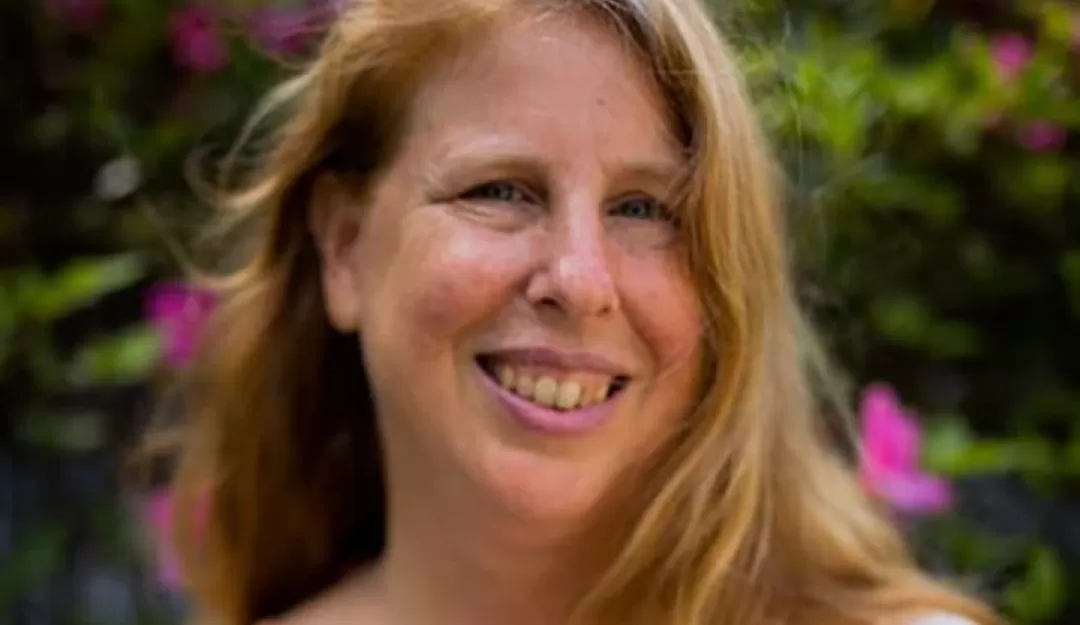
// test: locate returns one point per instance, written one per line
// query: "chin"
(542, 485)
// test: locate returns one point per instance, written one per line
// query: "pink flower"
(179, 312)
(1042, 136)
(158, 513)
(1011, 53)
(83, 14)
(891, 439)
(281, 30)
(197, 43)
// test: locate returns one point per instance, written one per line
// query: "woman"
(516, 343)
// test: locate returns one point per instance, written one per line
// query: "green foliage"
(932, 160)
(34, 302)
(1039, 594)
(99, 121)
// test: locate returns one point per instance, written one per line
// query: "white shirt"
(942, 619)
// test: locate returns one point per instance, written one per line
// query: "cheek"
(444, 279)
(663, 305)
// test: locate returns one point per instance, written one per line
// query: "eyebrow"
(661, 173)
(501, 153)
(464, 156)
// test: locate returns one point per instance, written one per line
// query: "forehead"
(552, 81)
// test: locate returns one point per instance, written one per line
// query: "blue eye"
(642, 208)
(498, 191)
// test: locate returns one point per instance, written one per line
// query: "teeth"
(601, 393)
(524, 385)
(506, 376)
(547, 391)
(569, 395)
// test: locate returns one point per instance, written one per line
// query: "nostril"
(549, 302)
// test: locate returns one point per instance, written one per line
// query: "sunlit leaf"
(80, 283)
(121, 358)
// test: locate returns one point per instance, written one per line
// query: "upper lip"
(558, 359)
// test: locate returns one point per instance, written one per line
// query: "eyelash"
(477, 192)
(655, 209)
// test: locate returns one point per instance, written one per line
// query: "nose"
(577, 277)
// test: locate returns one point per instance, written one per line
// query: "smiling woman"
(517, 344)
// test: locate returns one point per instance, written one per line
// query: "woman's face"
(515, 275)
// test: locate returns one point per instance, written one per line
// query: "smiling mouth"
(555, 390)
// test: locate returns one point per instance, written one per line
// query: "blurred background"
(932, 153)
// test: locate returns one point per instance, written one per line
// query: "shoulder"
(352, 600)
(941, 618)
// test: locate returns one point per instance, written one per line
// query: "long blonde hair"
(752, 518)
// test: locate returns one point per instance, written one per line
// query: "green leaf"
(1041, 593)
(122, 358)
(1056, 21)
(903, 319)
(970, 550)
(910, 12)
(1037, 184)
(949, 339)
(948, 444)
(82, 282)
(1030, 456)
(918, 93)
(70, 433)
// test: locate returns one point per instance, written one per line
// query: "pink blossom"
(158, 513)
(1011, 53)
(83, 14)
(282, 30)
(891, 440)
(1042, 136)
(179, 312)
(197, 43)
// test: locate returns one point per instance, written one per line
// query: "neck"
(454, 558)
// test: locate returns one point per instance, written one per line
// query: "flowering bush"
(107, 100)
(932, 158)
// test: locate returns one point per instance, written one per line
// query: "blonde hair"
(752, 517)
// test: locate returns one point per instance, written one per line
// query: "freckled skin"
(435, 277)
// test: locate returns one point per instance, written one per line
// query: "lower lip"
(547, 421)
